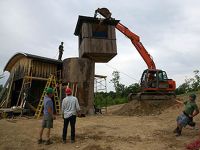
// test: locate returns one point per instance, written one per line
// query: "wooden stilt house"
(28, 76)
(29, 73)
(97, 38)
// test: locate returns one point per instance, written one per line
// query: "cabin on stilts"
(28, 76)
(29, 73)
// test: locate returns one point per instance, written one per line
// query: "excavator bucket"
(104, 12)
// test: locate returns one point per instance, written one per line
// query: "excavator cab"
(152, 80)
(155, 85)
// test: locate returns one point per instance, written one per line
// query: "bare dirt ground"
(103, 132)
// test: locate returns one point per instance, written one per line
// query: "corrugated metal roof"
(20, 55)
(85, 19)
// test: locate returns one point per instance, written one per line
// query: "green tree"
(115, 81)
(120, 95)
(119, 87)
(133, 88)
(190, 85)
(195, 82)
(182, 89)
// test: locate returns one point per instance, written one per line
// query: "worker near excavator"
(151, 80)
(61, 49)
(48, 116)
(70, 108)
(186, 117)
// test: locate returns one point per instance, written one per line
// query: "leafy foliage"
(121, 91)
(107, 99)
(119, 96)
(190, 85)
(115, 81)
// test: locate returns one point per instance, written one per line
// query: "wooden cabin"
(97, 38)
(28, 75)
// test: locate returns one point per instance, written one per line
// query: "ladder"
(26, 85)
(51, 82)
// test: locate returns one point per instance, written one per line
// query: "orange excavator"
(154, 83)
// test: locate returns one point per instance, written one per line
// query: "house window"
(99, 31)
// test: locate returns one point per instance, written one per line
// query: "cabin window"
(99, 31)
(162, 75)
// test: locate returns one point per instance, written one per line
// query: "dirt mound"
(144, 108)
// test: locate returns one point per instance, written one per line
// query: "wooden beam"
(36, 78)
(9, 89)
(18, 100)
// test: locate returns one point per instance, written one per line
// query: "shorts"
(47, 122)
(183, 120)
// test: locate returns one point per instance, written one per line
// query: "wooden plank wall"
(111, 32)
(91, 47)
(20, 68)
(86, 31)
(25, 66)
(104, 48)
(43, 70)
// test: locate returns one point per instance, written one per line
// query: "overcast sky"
(169, 30)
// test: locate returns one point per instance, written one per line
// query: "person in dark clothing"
(186, 117)
(97, 110)
(61, 49)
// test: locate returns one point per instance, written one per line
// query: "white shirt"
(70, 106)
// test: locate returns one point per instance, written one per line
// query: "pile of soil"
(144, 108)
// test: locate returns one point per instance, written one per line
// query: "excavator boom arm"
(135, 39)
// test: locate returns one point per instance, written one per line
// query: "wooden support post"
(18, 100)
(9, 90)
(60, 88)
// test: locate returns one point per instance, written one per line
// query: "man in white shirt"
(70, 108)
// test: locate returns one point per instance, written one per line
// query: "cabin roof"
(85, 19)
(16, 57)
